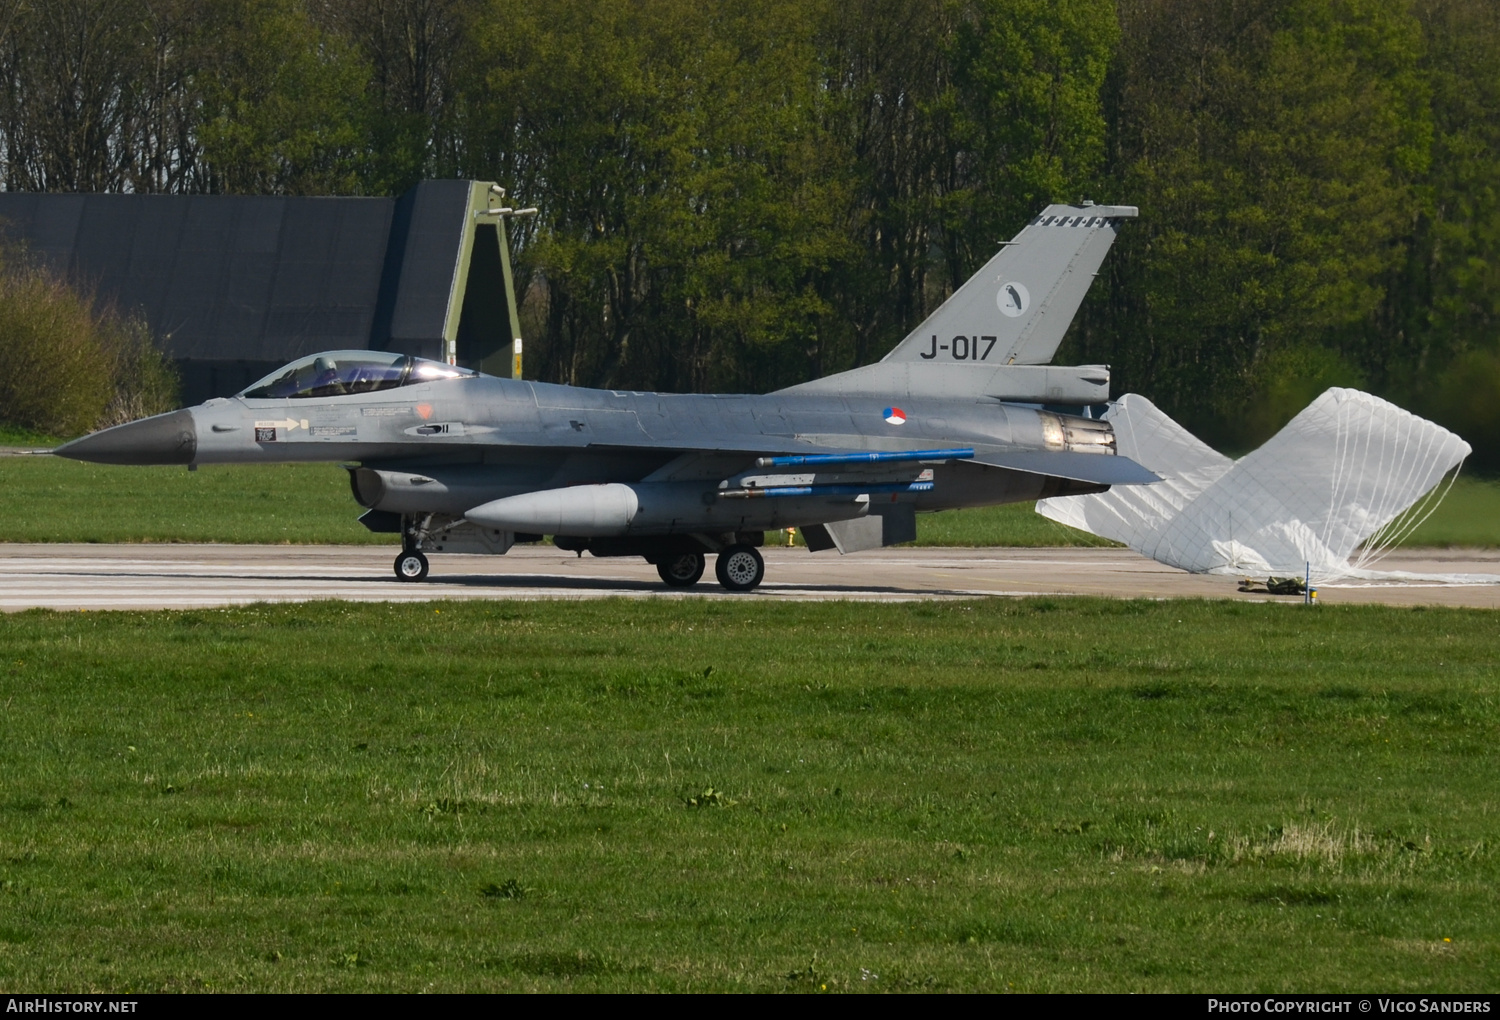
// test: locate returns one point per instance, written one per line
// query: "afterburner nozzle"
(170, 438)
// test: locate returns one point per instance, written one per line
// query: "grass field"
(57, 500)
(53, 500)
(11, 435)
(1468, 516)
(1011, 795)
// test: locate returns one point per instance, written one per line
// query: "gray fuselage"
(447, 446)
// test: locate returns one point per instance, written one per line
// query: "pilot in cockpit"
(340, 373)
(326, 381)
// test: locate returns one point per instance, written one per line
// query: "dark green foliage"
(69, 365)
(1274, 147)
(1465, 396)
(1444, 318)
(693, 198)
(179, 96)
(143, 380)
(738, 196)
(54, 380)
(282, 105)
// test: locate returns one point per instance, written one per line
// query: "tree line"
(743, 195)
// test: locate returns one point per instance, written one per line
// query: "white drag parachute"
(1337, 481)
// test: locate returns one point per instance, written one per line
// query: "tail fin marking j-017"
(1016, 309)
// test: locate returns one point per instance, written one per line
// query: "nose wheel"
(411, 565)
(681, 571)
(740, 568)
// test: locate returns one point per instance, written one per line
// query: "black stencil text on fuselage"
(962, 348)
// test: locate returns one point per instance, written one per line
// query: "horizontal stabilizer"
(1100, 469)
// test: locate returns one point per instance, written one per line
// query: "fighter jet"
(964, 412)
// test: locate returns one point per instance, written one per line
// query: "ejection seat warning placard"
(270, 431)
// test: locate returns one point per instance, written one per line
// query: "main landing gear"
(740, 568)
(679, 560)
(681, 570)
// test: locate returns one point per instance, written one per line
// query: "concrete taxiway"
(72, 577)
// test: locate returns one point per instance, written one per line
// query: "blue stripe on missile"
(866, 458)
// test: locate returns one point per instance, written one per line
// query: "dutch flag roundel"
(895, 416)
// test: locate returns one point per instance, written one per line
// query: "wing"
(1099, 469)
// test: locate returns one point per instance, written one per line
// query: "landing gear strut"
(411, 565)
(740, 568)
(681, 570)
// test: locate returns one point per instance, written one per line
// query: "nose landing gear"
(411, 565)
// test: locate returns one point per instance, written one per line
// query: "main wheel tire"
(411, 566)
(681, 571)
(740, 568)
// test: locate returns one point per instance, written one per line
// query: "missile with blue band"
(865, 458)
(824, 490)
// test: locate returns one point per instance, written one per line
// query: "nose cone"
(168, 438)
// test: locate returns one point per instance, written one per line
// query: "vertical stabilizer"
(1016, 309)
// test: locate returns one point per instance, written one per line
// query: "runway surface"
(145, 576)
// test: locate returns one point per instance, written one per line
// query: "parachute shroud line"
(1343, 483)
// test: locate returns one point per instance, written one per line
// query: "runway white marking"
(71, 577)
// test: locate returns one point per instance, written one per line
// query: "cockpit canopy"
(337, 373)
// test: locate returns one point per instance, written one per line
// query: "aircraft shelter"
(234, 286)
